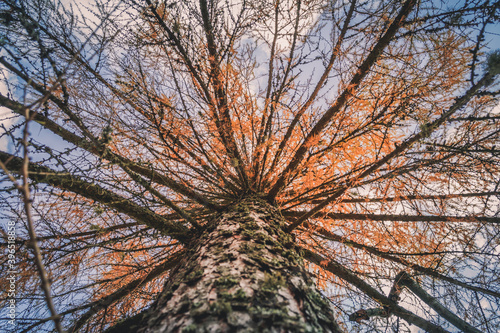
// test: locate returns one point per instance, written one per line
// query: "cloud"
(496, 109)
(7, 117)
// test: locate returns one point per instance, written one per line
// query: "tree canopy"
(372, 125)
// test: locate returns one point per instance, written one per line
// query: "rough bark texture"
(241, 275)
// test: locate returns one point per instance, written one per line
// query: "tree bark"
(241, 275)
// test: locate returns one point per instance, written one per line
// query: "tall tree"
(243, 166)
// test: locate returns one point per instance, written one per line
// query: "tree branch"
(425, 131)
(124, 291)
(400, 218)
(407, 281)
(322, 232)
(76, 185)
(114, 158)
(351, 278)
(351, 89)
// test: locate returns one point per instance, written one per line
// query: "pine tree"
(250, 166)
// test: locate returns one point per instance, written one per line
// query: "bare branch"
(75, 184)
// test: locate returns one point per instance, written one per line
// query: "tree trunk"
(241, 275)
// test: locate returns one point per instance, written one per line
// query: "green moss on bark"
(242, 275)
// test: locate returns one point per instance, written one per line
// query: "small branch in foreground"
(24, 190)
